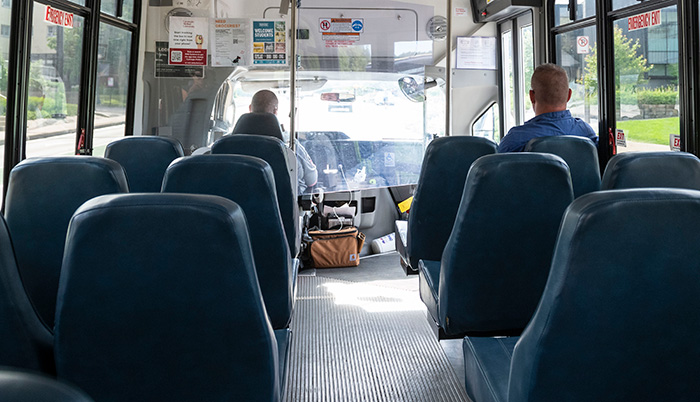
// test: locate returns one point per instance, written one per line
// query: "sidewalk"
(44, 128)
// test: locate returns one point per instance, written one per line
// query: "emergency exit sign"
(58, 17)
(645, 20)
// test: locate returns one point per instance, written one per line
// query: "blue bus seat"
(180, 317)
(617, 315)
(497, 258)
(247, 181)
(24, 386)
(26, 342)
(272, 151)
(652, 169)
(144, 159)
(259, 123)
(42, 195)
(438, 193)
(580, 153)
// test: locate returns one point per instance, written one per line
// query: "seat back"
(20, 386)
(272, 151)
(621, 301)
(580, 153)
(497, 258)
(26, 342)
(179, 317)
(652, 169)
(144, 159)
(248, 181)
(438, 193)
(42, 195)
(259, 123)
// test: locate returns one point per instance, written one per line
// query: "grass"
(651, 131)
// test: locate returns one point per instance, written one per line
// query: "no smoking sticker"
(582, 45)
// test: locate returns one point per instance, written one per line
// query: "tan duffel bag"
(335, 248)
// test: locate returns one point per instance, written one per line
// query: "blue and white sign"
(357, 25)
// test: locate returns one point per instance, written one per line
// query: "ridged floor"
(364, 341)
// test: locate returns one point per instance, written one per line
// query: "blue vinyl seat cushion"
(42, 195)
(178, 317)
(428, 285)
(21, 386)
(26, 342)
(249, 182)
(580, 153)
(486, 367)
(259, 123)
(615, 317)
(144, 159)
(438, 193)
(652, 169)
(272, 151)
(497, 258)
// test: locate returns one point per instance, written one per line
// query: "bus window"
(487, 124)
(646, 80)
(112, 86)
(527, 67)
(4, 50)
(54, 85)
(508, 80)
(576, 52)
(584, 9)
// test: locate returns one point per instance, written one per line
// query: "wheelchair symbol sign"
(389, 159)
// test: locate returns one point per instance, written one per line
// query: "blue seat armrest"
(487, 367)
(429, 282)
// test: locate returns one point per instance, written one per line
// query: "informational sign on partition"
(476, 53)
(231, 47)
(188, 41)
(165, 70)
(269, 42)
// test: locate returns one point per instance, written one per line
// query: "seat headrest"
(652, 169)
(259, 123)
(159, 284)
(620, 301)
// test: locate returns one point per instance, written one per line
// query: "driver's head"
(264, 101)
(550, 86)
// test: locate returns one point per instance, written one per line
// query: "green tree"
(627, 63)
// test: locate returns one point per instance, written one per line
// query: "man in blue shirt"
(549, 95)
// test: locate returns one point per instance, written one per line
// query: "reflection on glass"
(576, 52)
(487, 125)
(508, 79)
(528, 60)
(646, 81)
(110, 7)
(54, 85)
(584, 9)
(112, 86)
(5, 20)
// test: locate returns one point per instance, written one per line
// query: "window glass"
(528, 66)
(110, 7)
(646, 80)
(584, 9)
(112, 86)
(4, 65)
(487, 125)
(508, 79)
(576, 52)
(54, 86)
